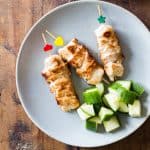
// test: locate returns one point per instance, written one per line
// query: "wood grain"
(17, 132)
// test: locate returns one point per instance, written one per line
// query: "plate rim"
(17, 71)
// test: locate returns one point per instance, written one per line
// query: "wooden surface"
(17, 132)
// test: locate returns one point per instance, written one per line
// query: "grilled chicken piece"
(57, 75)
(110, 51)
(77, 55)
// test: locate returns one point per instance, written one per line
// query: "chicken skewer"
(77, 55)
(57, 75)
(110, 51)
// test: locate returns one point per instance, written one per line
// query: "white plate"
(79, 19)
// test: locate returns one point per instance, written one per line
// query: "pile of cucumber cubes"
(101, 104)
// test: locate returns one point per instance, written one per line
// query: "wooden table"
(17, 132)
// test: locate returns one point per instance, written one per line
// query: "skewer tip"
(106, 81)
(50, 34)
(44, 39)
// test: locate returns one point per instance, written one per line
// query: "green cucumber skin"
(91, 126)
(131, 97)
(115, 85)
(137, 88)
(91, 97)
(97, 107)
(106, 118)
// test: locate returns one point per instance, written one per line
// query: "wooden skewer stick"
(50, 34)
(106, 81)
(45, 42)
(99, 8)
(44, 39)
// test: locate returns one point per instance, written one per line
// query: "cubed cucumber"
(125, 84)
(113, 91)
(113, 88)
(115, 85)
(91, 96)
(88, 109)
(97, 107)
(111, 124)
(112, 100)
(123, 107)
(128, 97)
(125, 95)
(95, 119)
(105, 102)
(100, 87)
(105, 113)
(91, 125)
(137, 88)
(82, 114)
(135, 109)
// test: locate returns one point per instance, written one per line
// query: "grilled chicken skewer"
(77, 55)
(57, 75)
(110, 51)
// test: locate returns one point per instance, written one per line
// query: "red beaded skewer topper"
(47, 47)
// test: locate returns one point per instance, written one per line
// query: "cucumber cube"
(91, 125)
(97, 107)
(135, 109)
(111, 124)
(91, 96)
(88, 109)
(105, 113)
(95, 119)
(128, 97)
(123, 107)
(82, 114)
(137, 88)
(115, 85)
(125, 84)
(112, 101)
(113, 91)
